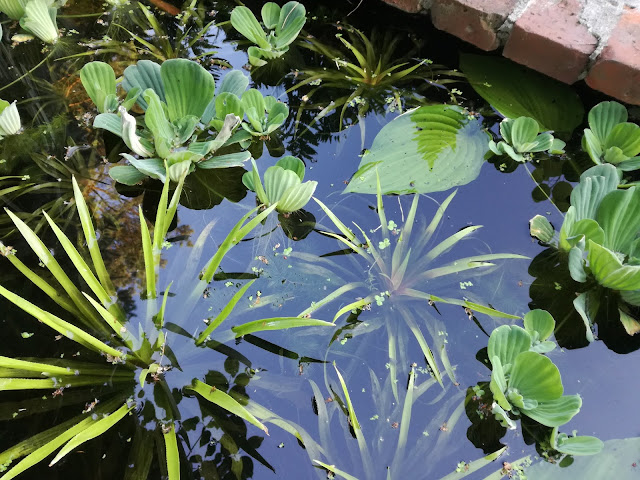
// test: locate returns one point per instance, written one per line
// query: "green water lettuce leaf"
(13, 8)
(535, 377)
(188, 88)
(541, 228)
(555, 412)
(10, 123)
(40, 19)
(506, 343)
(575, 445)
(619, 216)
(516, 91)
(99, 80)
(143, 75)
(429, 149)
(608, 270)
(539, 324)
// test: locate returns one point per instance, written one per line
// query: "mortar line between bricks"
(505, 29)
(592, 11)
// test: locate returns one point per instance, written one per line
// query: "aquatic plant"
(117, 353)
(520, 138)
(599, 235)
(36, 16)
(406, 272)
(372, 70)
(427, 149)
(9, 119)
(525, 382)
(282, 185)
(180, 104)
(265, 114)
(610, 138)
(283, 27)
(14, 9)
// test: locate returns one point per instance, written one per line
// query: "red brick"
(411, 6)
(474, 21)
(549, 38)
(616, 72)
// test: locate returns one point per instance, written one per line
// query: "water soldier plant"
(118, 352)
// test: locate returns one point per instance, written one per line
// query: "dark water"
(278, 376)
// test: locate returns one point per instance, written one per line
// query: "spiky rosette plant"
(121, 356)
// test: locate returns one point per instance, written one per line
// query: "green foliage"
(283, 26)
(98, 324)
(283, 184)
(429, 149)
(37, 17)
(517, 91)
(520, 138)
(599, 233)
(610, 138)
(180, 107)
(525, 382)
(9, 119)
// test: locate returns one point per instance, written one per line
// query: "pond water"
(411, 426)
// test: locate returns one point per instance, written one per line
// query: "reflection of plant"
(599, 233)
(525, 382)
(610, 138)
(283, 25)
(179, 102)
(401, 264)
(101, 327)
(520, 138)
(282, 185)
(370, 68)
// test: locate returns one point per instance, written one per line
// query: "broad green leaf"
(516, 91)
(609, 271)
(243, 20)
(99, 80)
(292, 163)
(13, 8)
(429, 149)
(277, 181)
(127, 174)
(220, 398)
(619, 216)
(188, 88)
(234, 82)
(227, 103)
(576, 263)
(40, 19)
(522, 130)
(296, 197)
(9, 118)
(507, 342)
(253, 99)
(575, 445)
(592, 146)
(498, 384)
(535, 377)
(586, 229)
(541, 228)
(292, 19)
(109, 121)
(556, 412)
(270, 15)
(625, 136)
(143, 75)
(225, 161)
(156, 120)
(540, 322)
(603, 117)
(278, 323)
(150, 167)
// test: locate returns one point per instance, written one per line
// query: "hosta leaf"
(428, 149)
(556, 412)
(188, 88)
(536, 377)
(603, 117)
(507, 342)
(541, 322)
(145, 74)
(99, 80)
(516, 91)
